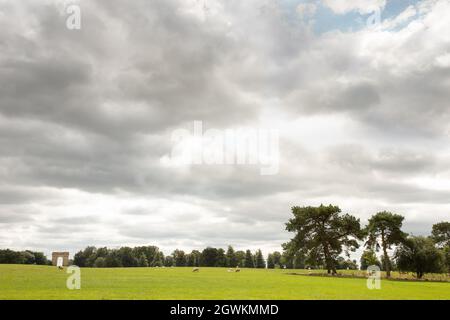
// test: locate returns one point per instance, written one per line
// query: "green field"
(44, 282)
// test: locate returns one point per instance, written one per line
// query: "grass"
(44, 282)
(410, 276)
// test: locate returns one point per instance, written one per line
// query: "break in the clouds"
(362, 111)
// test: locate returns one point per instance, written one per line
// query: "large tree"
(419, 255)
(322, 232)
(384, 231)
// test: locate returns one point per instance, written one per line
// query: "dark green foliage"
(322, 233)
(8, 256)
(270, 261)
(128, 258)
(112, 260)
(287, 260)
(221, 258)
(369, 258)
(259, 260)
(179, 258)
(446, 253)
(150, 256)
(240, 258)
(159, 260)
(209, 257)
(419, 255)
(151, 253)
(441, 234)
(384, 231)
(86, 257)
(123, 257)
(276, 259)
(248, 260)
(193, 259)
(231, 260)
(346, 264)
(100, 262)
(142, 261)
(168, 261)
(388, 264)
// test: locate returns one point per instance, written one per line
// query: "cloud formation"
(86, 115)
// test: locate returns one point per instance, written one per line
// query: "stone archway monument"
(60, 259)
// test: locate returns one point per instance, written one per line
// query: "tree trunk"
(328, 262)
(387, 264)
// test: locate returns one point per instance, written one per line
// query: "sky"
(357, 93)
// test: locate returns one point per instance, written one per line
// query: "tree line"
(323, 233)
(8, 256)
(324, 238)
(151, 256)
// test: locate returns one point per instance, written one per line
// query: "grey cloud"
(91, 112)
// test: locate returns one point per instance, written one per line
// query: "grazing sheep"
(195, 269)
(60, 267)
(229, 270)
(237, 270)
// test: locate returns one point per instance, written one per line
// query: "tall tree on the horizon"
(259, 260)
(248, 261)
(384, 231)
(323, 232)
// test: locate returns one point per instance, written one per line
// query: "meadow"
(45, 282)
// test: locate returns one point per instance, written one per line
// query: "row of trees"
(8, 256)
(322, 234)
(277, 260)
(151, 256)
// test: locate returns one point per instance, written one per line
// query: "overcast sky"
(361, 106)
